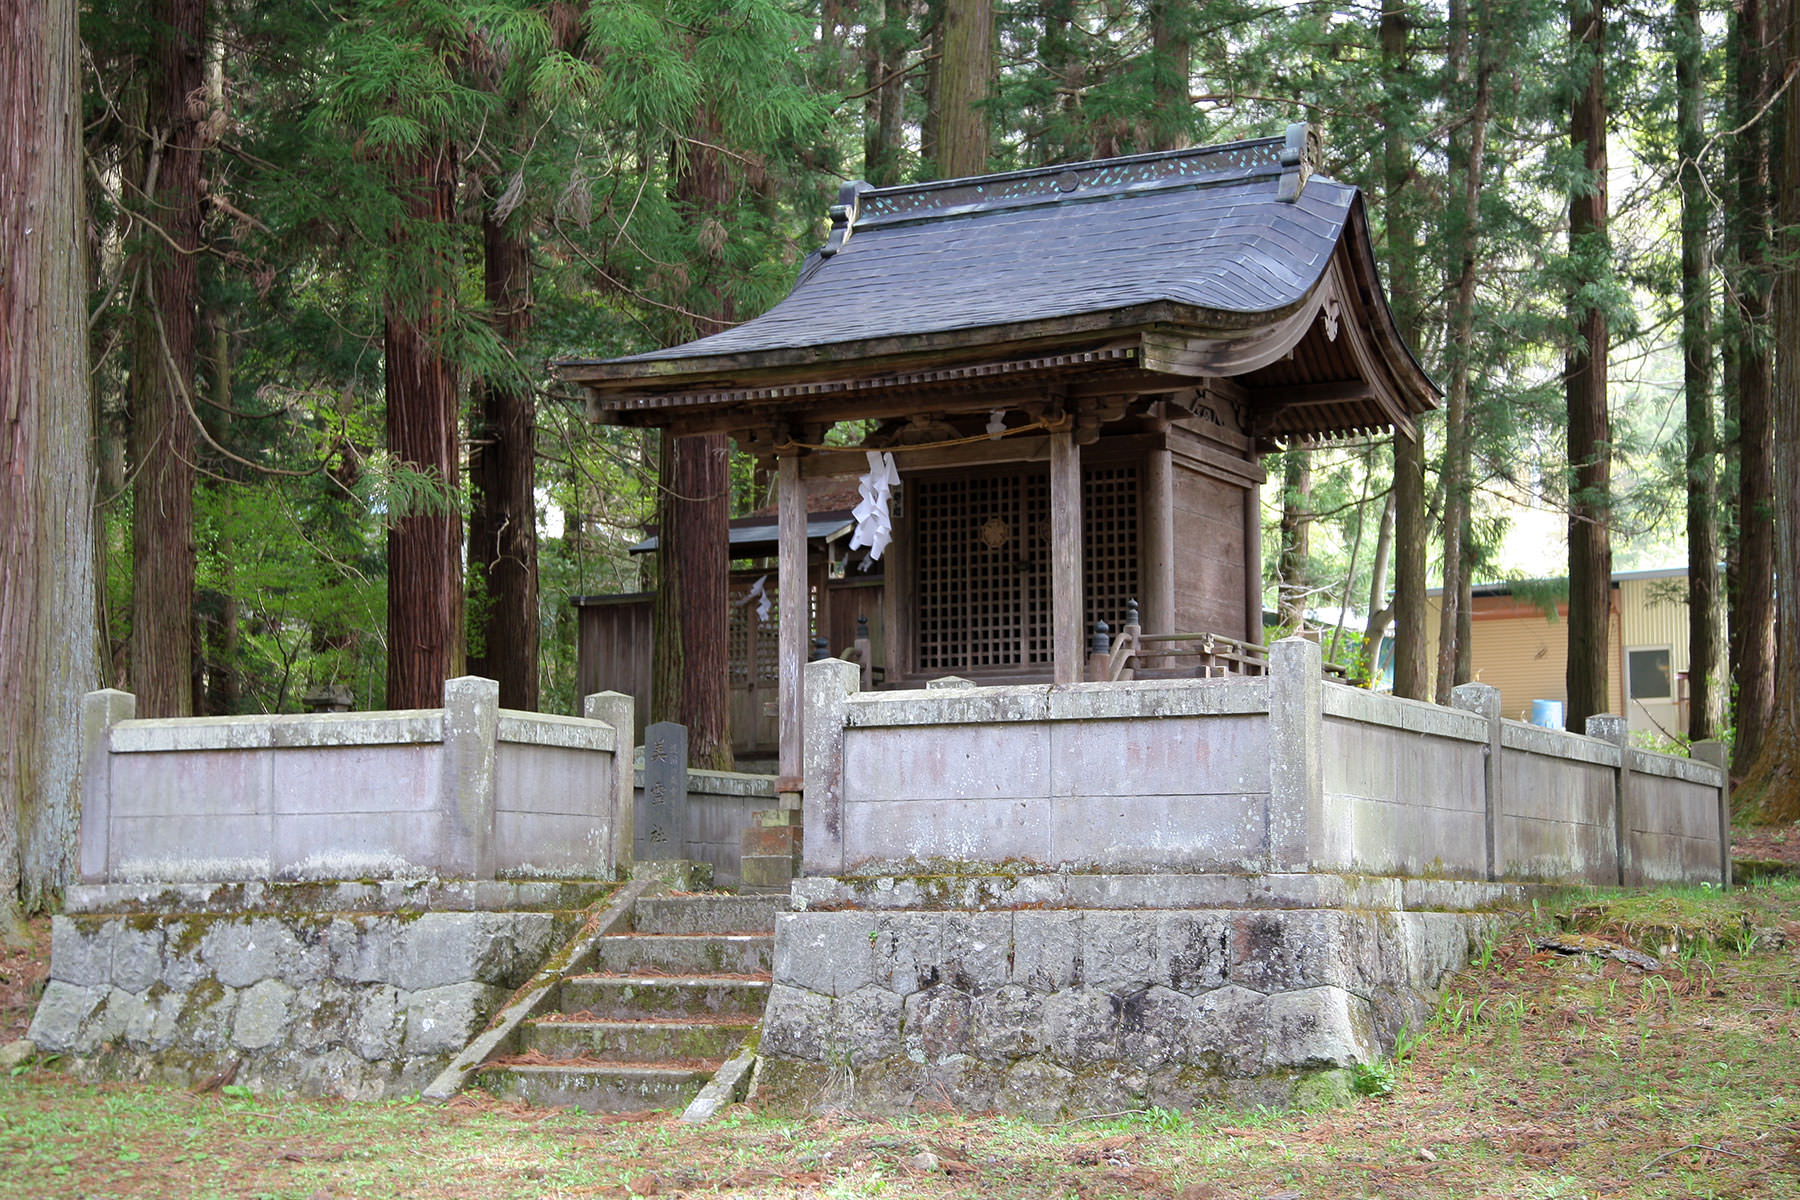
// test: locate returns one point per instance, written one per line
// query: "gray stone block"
(937, 1023)
(1286, 951)
(378, 1024)
(1193, 950)
(906, 952)
(154, 1026)
(61, 1010)
(441, 1020)
(1037, 1089)
(1008, 1024)
(1047, 950)
(262, 1015)
(361, 949)
(81, 951)
(975, 949)
(1153, 1025)
(797, 1025)
(1120, 948)
(1319, 1027)
(137, 956)
(206, 1018)
(1081, 1026)
(1228, 1031)
(244, 952)
(866, 1026)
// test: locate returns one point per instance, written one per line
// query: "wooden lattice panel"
(982, 564)
(751, 640)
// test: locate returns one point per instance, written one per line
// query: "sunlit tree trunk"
(49, 642)
(964, 76)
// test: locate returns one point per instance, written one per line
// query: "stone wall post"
(1611, 728)
(830, 683)
(471, 729)
(619, 711)
(1484, 701)
(1714, 753)
(1296, 779)
(100, 711)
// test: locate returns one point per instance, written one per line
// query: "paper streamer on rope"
(874, 519)
(758, 593)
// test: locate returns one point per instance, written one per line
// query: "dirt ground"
(22, 975)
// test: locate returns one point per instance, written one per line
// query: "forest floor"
(1541, 1075)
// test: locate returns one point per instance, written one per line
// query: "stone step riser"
(614, 998)
(686, 954)
(707, 914)
(644, 1042)
(595, 1089)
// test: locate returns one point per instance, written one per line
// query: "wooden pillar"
(793, 614)
(1253, 581)
(1066, 638)
(1157, 574)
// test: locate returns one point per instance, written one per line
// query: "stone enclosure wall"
(721, 805)
(1280, 773)
(468, 791)
(354, 990)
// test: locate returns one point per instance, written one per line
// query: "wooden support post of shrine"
(1253, 581)
(1157, 579)
(793, 614)
(1066, 638)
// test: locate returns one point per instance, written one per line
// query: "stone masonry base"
(367, 999)
(1263, 996)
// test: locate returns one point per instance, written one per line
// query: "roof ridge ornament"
(1300, 156)
(843, 215)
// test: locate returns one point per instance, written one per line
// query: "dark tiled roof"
(1201, 228)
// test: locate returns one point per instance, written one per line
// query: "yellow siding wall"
(1527, 658)
(1656, 615)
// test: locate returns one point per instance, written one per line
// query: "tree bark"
(965, 73)
(1771, 790)
(424, 546)
(1171, 62)
(162, 377)
(1411, 533)
(1468, 146)
(690, 617)
(1589, 433)
(502, 486)
(1381, 613)
(1706, 687)
(1752, 622)
(49, 639)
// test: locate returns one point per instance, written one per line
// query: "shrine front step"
(659, 1010)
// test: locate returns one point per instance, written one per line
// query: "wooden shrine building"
(1076, 369)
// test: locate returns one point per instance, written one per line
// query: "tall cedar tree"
(1589, 432)
(1468, 146)
(1293, 584)
(691, 613)
(1771, 791)
(1706, 692)
(1752, 622)
(425, 543)
(49, 649)
(965, 75)
(1411, 533)
(162, 377)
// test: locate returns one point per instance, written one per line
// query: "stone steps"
(657, 1012)
(685, 954)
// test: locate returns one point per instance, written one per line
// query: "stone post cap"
(1608, 727)
(1482, 698)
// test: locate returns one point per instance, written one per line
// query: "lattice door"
(982, 564)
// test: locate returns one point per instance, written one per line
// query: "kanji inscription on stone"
(662, 814)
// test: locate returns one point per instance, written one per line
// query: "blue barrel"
(1547, 714)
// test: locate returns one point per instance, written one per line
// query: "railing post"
(619, 711)
(1296, 780)
(1714, 753)
(829, 686)
(1609, 727)
(471, 727)
(1484, 701)
(100, 711)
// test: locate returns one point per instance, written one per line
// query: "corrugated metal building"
(1521, 646)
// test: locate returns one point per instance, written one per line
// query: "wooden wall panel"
(1209, 554)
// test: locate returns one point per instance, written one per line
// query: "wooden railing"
(1134, 654)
